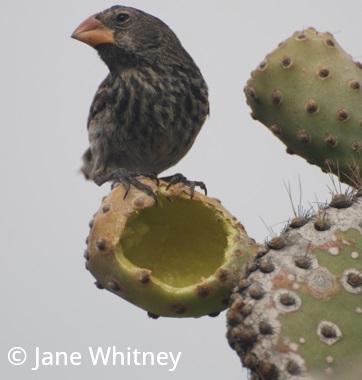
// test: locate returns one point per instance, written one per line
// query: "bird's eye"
(121, 18)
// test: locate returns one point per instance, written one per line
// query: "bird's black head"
(127, 36)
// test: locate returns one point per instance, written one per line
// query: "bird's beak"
(93, 32)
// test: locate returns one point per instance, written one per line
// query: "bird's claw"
(127, 179)
(179, 178)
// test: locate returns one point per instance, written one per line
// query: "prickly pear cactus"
(297, 310)
(308, 93)
(180, 258)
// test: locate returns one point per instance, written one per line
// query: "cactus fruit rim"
(132, 250)
(179, 241)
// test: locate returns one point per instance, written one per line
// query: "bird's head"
(124, 36)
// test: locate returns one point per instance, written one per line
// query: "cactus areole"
(179, 258)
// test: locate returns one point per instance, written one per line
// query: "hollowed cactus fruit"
(297, 311)
(308, 92)
(179, 258)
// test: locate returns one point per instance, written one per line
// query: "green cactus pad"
(180, 258)
(302, 318)
(308, 92)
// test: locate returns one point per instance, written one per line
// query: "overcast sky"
(47, 84)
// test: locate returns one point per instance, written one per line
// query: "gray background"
(47, 84)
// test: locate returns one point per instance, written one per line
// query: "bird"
(147, 112)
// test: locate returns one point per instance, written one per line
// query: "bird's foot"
(179, 178)
(127, 179)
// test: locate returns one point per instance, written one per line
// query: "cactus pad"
(308, 92)
(180, 258)
(302, 317)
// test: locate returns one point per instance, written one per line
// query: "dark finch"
(148, 111)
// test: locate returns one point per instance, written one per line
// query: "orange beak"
(93, 32)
